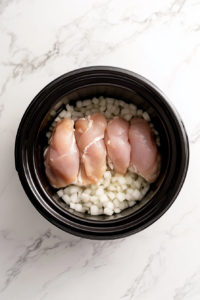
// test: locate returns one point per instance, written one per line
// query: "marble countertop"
(40, 40)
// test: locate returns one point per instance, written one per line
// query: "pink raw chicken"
(145, 157)
(118, 147)
(62, 156)
(89, 134)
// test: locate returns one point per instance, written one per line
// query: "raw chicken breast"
(89, 134)
(118, 147)
(145, 157)
(62, 156)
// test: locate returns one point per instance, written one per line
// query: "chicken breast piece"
(117, 144)
(145, 157)
(89, 134)
(62, 155)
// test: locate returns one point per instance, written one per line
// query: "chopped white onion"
(88, 191)
(60, 193)
(93, 186)
(116, 112)
(124, 187)
(129, 191)
(122, 103)
(102, 102)
(110, 100)
(87, 113)
(87, 102)
(129, 179)
(72, 205)
(66, 198)
(78, 207)
(110, 205)
(111, 187)
(106, 182)
(99, 204)
(128, 117)
(108, 211)
(94, 199)
(57, 119)
(85, 197)
(95, 100)
(77, 114)
(121, 180)
(116, 102)
(125, 111)
(155, 132)
(107, 114)
(128, 197)
(68, 114)
(133, 112)
(62, 113)
(113, 108)
(131, 203)
(107, 174)
(109, 106)
(58, 105)
(121, 196)
(133, 106)
(103, 198)
(111, 195)
(74, 189)
(69, 108)
(88, 204)
(119, 189)
(102, 108)
(116, 202)
(122, 205)
(146, 116)
(139, 112)
(100, 192)
(79, 104)
(94, 210)
(114, 179)
(48, 134)
(136, 195)
(53, 113)
(74, 198)
(94, 110)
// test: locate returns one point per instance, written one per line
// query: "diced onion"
(62, 114)
(110, 100)
(94, 210)
(79, 103)
(108, 211)
(121, 196)
(66, 198)
(87, 102)
(146, 116)
(125, 111)
(60, 193)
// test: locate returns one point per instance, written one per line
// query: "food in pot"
(106, 162)
(145, 157)
(118, 146)
(89, 133)
(62, 155)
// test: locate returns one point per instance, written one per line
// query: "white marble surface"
(40, 40)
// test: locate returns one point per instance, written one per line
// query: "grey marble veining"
(41, 40)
